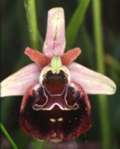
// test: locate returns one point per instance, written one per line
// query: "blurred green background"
(100, 46)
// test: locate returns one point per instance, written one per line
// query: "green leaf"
(76, 21)
(35, 37)
(103, 100)
(3, 129)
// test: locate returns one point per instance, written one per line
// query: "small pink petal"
(68, 57)
(37, 57)
(91, 81)
(19, 82)
(55, 37)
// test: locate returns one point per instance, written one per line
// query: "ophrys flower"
(55, 105)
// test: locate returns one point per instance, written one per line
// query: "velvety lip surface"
(56, 124)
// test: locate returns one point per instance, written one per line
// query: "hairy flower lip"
(79, 121)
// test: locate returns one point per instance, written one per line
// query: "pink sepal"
(55, 37)
(91, 81)
(18, 83)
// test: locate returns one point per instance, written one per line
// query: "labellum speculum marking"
(56, 110)
(55, 105)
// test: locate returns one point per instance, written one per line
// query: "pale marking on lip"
(62, 108)
(38, 107)
(52, 120)
(60, 119)
(56, 140)
(75, 106)
(55, 104)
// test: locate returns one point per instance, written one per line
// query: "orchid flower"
(55, 104)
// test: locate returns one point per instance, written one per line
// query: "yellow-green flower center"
(56, 64)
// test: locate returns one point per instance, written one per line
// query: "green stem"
(76, 21)
(8, 136)
(88, 46)
(103, 104)
(30, 8)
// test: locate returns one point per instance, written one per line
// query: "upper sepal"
(55, 37)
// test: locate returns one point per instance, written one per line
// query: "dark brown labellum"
(57, 110)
